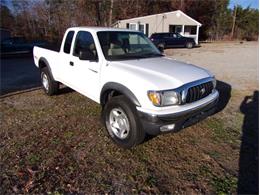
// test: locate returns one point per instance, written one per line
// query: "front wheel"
(122, 123)
(189, 45)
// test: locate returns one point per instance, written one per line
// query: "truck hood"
(162, 72)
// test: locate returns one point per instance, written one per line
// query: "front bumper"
(155, 124)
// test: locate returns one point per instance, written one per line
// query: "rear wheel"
(122, 123)
(161, 45)
(49, 85)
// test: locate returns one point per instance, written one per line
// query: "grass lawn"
(58, 145)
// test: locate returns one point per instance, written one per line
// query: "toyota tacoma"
(141, 91)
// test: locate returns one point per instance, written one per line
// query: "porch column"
(182, 30)
(197, 35)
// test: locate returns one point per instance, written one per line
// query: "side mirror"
(87, 55)
(161, 49)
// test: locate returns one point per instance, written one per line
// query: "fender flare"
(42, 59)
(118, 87)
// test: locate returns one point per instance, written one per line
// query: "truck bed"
(53, 47)
(51, 56)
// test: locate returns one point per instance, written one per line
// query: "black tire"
(189, 45)
(53, 86)
(136, 133)
(161, 45)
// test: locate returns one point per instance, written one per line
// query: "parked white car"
(140, 90)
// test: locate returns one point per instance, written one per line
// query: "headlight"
(163, 98)
(214, 81)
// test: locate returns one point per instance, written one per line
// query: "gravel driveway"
(233, 62)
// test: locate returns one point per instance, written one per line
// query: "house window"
(138, 26)
(175, 28)
(178, 29)
(133, 26)
(190, 30)
(142, 28)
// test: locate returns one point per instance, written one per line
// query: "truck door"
(64, 68)
(85, 74)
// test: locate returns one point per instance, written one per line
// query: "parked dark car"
(39, 43)
(169, 40)
(15, 45)
(18, 45)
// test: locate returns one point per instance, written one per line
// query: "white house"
(175, 21)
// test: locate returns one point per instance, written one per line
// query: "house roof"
(165, 13)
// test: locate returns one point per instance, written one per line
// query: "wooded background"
(48, 19)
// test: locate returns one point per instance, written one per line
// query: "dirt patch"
(231, 62)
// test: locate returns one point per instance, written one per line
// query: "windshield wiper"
(134, 56)
(147, 55)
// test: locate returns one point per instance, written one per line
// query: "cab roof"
(98, 29)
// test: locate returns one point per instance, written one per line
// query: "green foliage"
(33, 159)
(247, 22)
(222, 20)
(225, 185)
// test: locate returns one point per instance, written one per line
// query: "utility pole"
(181, 5)
(137, 8)
(111, 12)
(234, 21)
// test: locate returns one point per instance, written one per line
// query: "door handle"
(71, 63)
(93, 70)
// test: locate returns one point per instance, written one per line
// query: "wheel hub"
(118, 123)
(45, 81)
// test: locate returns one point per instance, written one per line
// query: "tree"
(48, 19)
(247, 23)
(7, 19)
(222, 20)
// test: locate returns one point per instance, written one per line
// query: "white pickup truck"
(140, 90)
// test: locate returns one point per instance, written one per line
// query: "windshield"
(122, 45)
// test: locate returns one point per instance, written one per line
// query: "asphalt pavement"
(18, 73)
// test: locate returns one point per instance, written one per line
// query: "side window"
(68, 41)
(166, 35)
(178, 36)
(84, 41)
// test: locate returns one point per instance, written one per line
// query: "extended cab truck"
(140, 90)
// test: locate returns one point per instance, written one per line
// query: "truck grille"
(199, 91)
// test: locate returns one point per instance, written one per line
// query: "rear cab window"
(68, 42)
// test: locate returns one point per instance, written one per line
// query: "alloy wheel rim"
(45, 81)
(119, 123)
